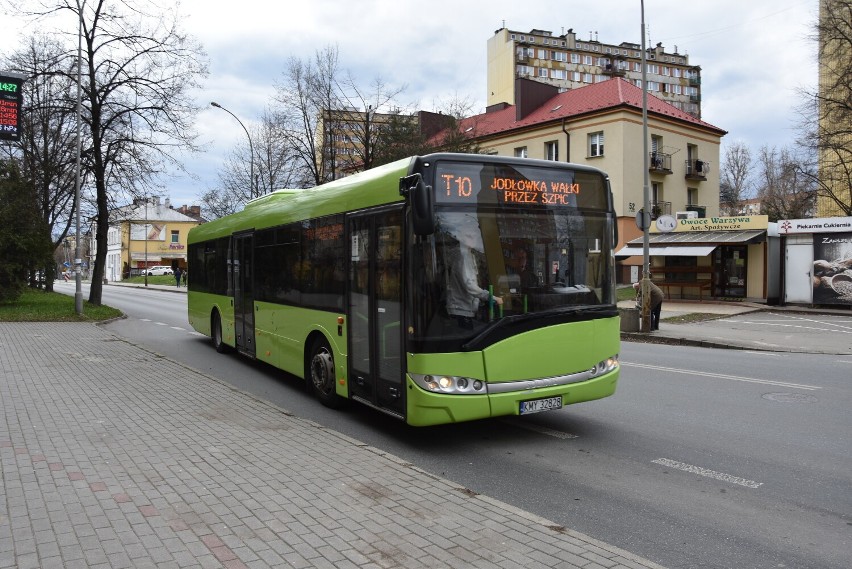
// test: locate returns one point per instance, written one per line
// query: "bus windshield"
(484, 265)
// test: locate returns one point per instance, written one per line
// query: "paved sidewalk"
(753, 326)
(112, 456)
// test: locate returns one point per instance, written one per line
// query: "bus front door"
(244, 293)
(375, 310)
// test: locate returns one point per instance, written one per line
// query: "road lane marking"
(725, 376)
(541, 430)
(708, 473)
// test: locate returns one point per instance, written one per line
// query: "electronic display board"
(522, 186)
(11, 100)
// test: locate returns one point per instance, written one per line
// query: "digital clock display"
(11, 101)
(521, 186)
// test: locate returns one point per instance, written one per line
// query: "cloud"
(754, 54)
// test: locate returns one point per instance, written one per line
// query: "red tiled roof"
(602, 96)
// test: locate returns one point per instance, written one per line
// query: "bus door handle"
(381, 310)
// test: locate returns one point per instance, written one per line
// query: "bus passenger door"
(375, 310)
(244, 292)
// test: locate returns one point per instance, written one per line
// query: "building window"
(596, 144)
(560, 56)
(587, 78)
(587, 59)
(542, 72)
(691, 196)
(521, 152)
(551, 150)
(542, 54)
(637, 66)
(558, 74)
(175, 236)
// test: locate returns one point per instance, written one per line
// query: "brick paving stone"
(128, 459)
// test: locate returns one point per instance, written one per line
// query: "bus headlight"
(449, 384)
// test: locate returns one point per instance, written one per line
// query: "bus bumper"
(425, 408)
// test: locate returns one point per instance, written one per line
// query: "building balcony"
(659, 163)
(660, 208)
(614, 70)
(697, 169)
(695, 81)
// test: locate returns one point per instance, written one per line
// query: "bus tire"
(319, 374)
(216, 333)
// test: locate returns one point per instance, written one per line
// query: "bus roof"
(373, 187)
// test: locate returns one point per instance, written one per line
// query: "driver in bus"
(464, 295)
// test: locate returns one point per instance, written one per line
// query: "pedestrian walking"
(177, 276)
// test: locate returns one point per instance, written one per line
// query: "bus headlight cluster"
(605, 366)
(449, 384)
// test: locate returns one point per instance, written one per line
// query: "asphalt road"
(703, 458)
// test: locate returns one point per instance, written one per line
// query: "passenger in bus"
(464, 295)
(529, 279)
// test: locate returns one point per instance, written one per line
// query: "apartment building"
(568, 62)
(834, 151)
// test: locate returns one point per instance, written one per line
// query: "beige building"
(835, 144)
(148, 233)
(568, 62)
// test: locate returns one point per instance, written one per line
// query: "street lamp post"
(646, 261)
(252, 182)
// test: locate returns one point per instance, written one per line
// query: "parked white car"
(158, 270)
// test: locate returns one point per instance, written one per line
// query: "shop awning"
(704, 238)
(682, 250)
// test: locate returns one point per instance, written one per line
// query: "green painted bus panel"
(374, 187)
(281, 332)
(552, 351)
(201, 309)
(464, 364)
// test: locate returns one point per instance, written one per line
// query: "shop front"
(715, 257)
(817, 261)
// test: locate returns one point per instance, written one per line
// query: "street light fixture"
(252, 183)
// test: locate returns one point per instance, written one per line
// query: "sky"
(755, 56)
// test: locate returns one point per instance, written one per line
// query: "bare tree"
(826, 125)
(48, 141)
(735, 186)
(305, 91)
(275, 168)
(139, 70)
(786, 189)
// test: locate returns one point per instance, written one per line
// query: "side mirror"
(420, 201)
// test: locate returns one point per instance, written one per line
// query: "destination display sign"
(533, 186)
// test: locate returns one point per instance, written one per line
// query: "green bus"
(436, 289)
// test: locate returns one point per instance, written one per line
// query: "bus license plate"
(539, 405)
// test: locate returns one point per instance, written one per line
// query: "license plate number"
(539, 405)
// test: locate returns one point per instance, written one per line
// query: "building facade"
(147, 233)
(567, 62)
(834, 151)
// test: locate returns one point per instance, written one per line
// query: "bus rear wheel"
(216, 333)
(320, 375)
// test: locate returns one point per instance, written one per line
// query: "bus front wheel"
(320, 375)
